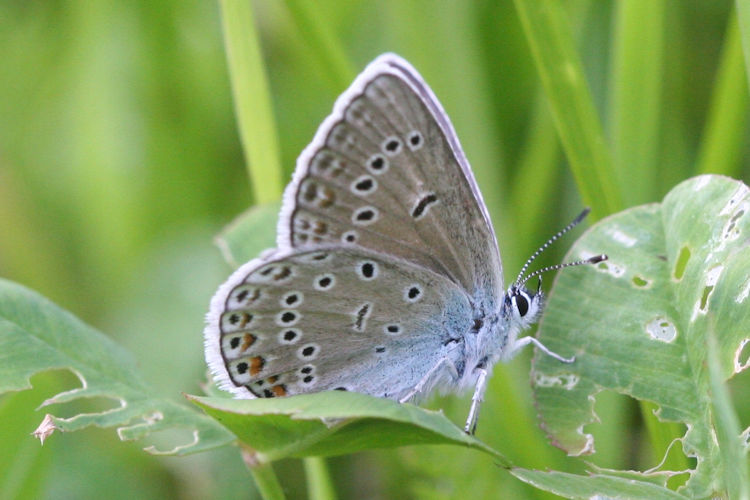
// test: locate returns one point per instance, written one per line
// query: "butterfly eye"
(522, 304)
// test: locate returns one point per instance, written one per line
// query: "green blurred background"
(120, 160)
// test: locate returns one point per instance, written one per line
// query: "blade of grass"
(322, 43)
(723, 137)
(252, 100)
(560, 70)
(101, 164)
(743, 15)
(677, 150)
(635, 96)
(735, 474)
(537, 172)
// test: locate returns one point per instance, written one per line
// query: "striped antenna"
(591, 260)
(520, 280)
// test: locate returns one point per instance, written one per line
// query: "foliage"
(676, 278)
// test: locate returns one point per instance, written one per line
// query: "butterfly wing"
(334, 318)
(386, 172)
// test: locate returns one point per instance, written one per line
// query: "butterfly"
(387, 278)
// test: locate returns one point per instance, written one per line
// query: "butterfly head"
(523, 305)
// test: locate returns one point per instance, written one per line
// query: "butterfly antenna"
(520, 279)
(591, 260)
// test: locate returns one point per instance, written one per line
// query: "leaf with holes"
(638, 324)
(36, 335)
(333, 423)
(600, 484)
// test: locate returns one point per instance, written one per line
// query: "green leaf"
(249, 234)
(333, 423)
(36, 335)
(638, 323)
(595, 485)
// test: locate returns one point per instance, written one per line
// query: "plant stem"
(263, 474)
(319, 485)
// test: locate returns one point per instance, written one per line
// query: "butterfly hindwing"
(333, 318)
(385, 172)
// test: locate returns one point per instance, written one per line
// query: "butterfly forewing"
(384, 173)
(334, 319)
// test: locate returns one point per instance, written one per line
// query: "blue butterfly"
(387, 279)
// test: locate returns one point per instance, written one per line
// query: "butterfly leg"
(523, 342)
(420, 385)
(476, 402)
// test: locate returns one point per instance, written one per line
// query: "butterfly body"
(387, 279)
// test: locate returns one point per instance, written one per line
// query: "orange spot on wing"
(246, 318)
(284, 273)
(279, 390)
(256, 365)
(248, 340)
